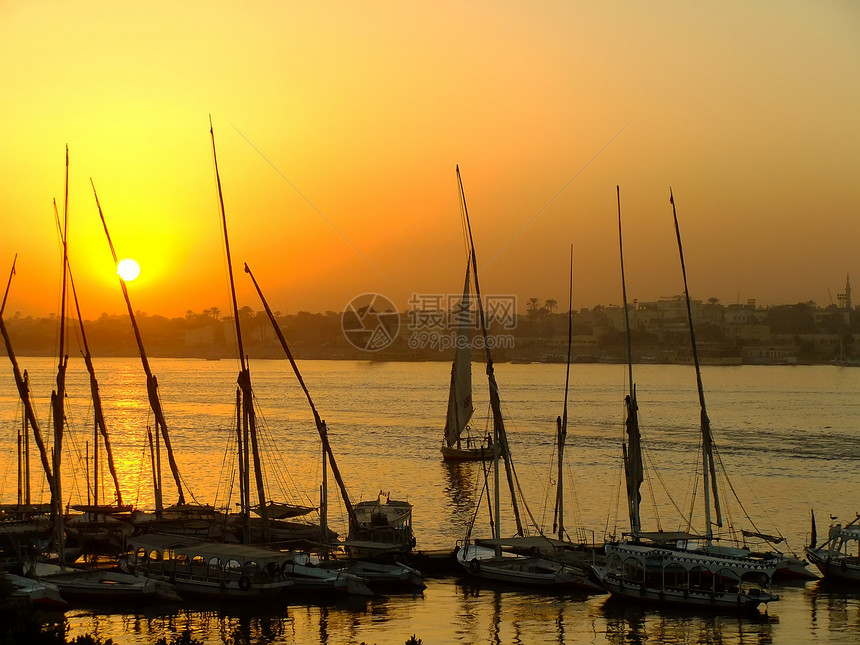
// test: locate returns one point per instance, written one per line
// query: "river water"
(789, 438)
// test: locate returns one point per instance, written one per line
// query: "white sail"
(460, 395)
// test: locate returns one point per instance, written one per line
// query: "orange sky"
(339, 125)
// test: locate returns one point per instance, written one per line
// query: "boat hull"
(482, 562)
(841, 568)
(681, 577)
(674, 596)
(466, 454)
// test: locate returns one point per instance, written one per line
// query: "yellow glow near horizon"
(128, 269)
(338, 126)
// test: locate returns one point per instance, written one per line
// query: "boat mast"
(709, 473)
(249, 420)
(23, 384)
(98, 412)
(322, 429)
(562, 422)
(633, 468)
(151, 382)
(58, 396)
(500, 439)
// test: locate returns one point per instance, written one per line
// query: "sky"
(339, 126)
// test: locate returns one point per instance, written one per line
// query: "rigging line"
(511, 419)
(309, 202)
(572, 477)
(282, 476)
(360, 390)
(694, 488)
(738, 499)
(552, 199)
(653, 468)
(617, 506)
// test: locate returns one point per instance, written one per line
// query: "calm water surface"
(789, 438)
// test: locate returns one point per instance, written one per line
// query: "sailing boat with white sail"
(459, 443)
(667, 567)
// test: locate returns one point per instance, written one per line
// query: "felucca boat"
(838, 557)
(302, 570)
(494, 559)
(667, 567)
(459, 444)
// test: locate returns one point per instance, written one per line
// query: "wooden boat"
(681, 568)
(380, 576)
(379, 525)
(43, 595)
(375, 527)
(98, 586)
(649, 573)
(205, 569)
(516, 569)
(492, 562)
(838, 557)
(261, 519)
(577, 556)
(459, 444)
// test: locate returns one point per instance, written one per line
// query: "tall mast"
(633, 469)
(151, 381)
(244, 380)
(23, 385)
(562, 423)
(322, 429)
(500, 438)
(709, 471)
(58, 396)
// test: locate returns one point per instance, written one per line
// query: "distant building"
(844, 299)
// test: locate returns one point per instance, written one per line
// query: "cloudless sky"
(339, 126)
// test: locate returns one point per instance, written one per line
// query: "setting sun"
(128, 269)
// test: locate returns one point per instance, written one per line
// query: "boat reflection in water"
(628, 623)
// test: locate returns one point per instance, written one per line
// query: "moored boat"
(492, 562)
(41, 594)
(660, 574)
(204, 569)
(459, 444)
(838, 557)
(678, 568)
(97, 586)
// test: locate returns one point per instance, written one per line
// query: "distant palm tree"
(550, 305)
(533, 307)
